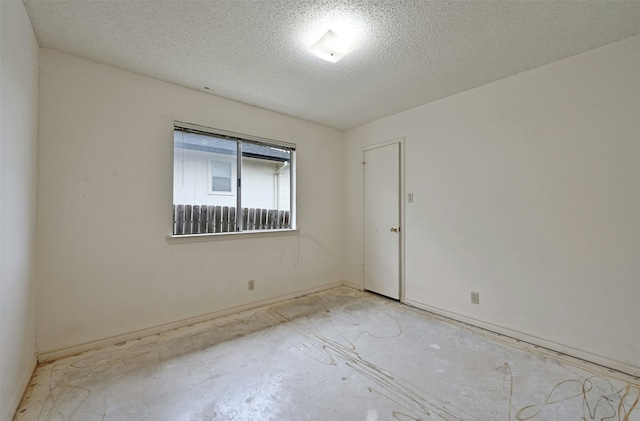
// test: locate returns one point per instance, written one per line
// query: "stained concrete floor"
(336, 355)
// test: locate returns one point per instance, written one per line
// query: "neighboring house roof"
(264, 152)
(213, 144)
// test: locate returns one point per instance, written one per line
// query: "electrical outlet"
(252, 285)
(475, 297)
(410, 198)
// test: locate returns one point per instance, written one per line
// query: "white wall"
(527, 191)
(105, 207)
(18, 140)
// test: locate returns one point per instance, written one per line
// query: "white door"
(382, 220)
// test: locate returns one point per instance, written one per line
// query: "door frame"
(401, 204)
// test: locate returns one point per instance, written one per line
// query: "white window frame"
(236, 180)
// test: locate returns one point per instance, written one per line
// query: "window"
(227, 182)
(220, 177)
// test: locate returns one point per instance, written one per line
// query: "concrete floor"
(335, 355)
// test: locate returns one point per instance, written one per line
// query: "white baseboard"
(537, 342)
(498, 330)
(55, 354)
(352, 285)
(25, 383)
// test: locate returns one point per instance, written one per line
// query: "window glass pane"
(220, 184)
(266, 183)
(204, 174)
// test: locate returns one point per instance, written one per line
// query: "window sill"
(192, 238)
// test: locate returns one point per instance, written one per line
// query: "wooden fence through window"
(202, 219)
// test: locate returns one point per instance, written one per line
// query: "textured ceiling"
(411, 52)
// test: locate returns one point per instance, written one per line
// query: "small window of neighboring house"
(220, 177)
(227, 182)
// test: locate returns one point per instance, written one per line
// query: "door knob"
(395, 229)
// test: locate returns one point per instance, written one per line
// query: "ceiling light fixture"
(332, 47)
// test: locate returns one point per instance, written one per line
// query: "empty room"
(319, 210)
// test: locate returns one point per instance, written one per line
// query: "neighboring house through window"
(228, 182)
